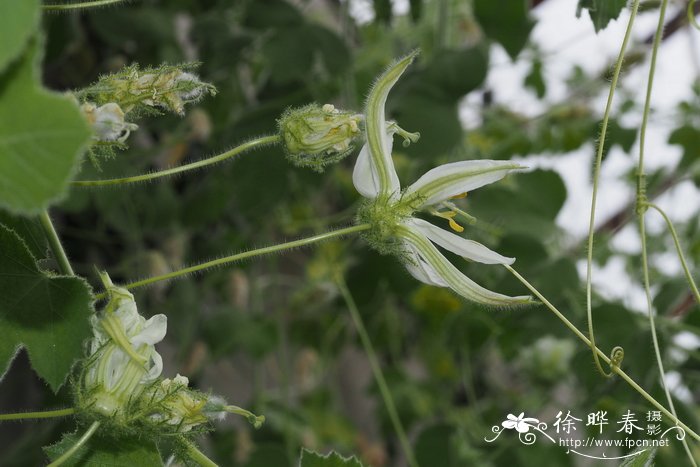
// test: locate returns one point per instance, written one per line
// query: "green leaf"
(126, 452)
(645, 459)
(505, 21)
(332, 459)
(29, 230)
(457, 72)
(601, 11)
(688, 138)
(18, 21)
(46, 314)
(42, 135)
(535, 80)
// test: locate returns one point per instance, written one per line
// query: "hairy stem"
(377, 371)
(83, 439)
(245, 255)
(36, 415)
(55, 244)
(615, 368)
(197, 455)
(596, 177)
(252, 144)
(77, 6)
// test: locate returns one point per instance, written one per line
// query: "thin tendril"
(594, 196)
(258, 142)
(691, 15)
(642, 206)
(77, 6)
(616, 369)
(679, 250)
(73, 449)
(377, 371)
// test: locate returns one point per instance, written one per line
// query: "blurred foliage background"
(274, 334)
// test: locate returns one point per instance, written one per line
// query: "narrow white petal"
(153, 331)
(455, 178)
(422, 270)
(365, 179)
(454, 278)
(378, 141)
(155, 370)
(468, 249)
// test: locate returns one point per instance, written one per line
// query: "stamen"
(450, 215)
(471, 220)
(408, 137)
(460, 196)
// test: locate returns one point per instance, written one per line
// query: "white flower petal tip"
(449, 180)
(379, 141)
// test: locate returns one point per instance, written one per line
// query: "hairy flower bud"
(168, 87)
(316, 136)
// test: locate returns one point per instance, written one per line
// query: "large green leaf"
(332, 459)
(46, 314)
(124, 452)
(505, 21)
(18, 21)
(41, 137)
(602, 11)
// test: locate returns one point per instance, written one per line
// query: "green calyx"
(316, 136)
(385, 216)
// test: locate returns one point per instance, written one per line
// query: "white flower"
(390, 211)
(107, 122)
(123, 359)
(520, 423)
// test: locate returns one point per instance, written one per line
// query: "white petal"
(466, 248)
(509, 424)
(522, 427)
(363, 177)
(457, 281)
(422, 270)
(153, 331)
(455, 178)
(378, 141)
(155, 370)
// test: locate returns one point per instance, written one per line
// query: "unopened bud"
(316, 136)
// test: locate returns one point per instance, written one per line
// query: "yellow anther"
(450, 215)
(460, 196)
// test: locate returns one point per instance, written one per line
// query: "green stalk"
(55, 244)
(77, 6)
(377, 371)
(197, 455)
(596, 177)
(614, 367)
(245, 255)
(36, 415)
(641, 210)
(258, 142)
(83, 439)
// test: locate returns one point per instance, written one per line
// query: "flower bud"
(316, 136)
